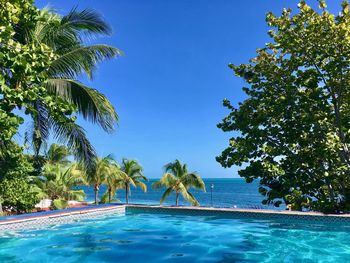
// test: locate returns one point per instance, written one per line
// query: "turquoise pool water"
(177, 238)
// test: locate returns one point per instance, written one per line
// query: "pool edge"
(67, 215)
(242, 213)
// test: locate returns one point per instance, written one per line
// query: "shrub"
(17, 195)
(59, 204)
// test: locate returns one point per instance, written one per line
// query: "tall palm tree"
(99, 174)
(66, 35)
(132, 174)
(177, 179)
(113, 182)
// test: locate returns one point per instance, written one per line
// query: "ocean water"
(143, 237)
(227, 192)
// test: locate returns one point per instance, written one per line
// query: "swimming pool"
(148, 237)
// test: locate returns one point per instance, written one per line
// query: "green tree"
(17, 195)
(16, 59)
(16, 192)
(57, 154)
(132, 174)
(58, 182)
(292, 133)
(42, 55)
(101, 174)
(65, 36)
(112, 181)
(177, 179)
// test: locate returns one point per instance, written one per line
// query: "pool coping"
(238, 210)
(253, 214)
(59, 213)
(94, 210)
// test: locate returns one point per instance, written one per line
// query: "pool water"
(143, 237)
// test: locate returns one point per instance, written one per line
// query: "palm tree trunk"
(126, 193)
(109, 195)
(96, 188)
(177, 199)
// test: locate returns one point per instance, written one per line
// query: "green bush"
(59, 204)
(17, 195)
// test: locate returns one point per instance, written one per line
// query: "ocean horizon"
(226, 192)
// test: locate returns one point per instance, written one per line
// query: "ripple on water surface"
(175, 238)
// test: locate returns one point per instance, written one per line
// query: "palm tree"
(58, 181)
(65, 35)
(132, 174)
(57, 154)
(177, 179)
(99, 174)
(112, 181)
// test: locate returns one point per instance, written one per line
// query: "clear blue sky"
(169, 86)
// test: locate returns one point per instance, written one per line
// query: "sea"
(220, 192)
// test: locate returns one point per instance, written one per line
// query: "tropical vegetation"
(179, 180)
(292, 133)
(42, 54)
(106, 171)
(132, 175)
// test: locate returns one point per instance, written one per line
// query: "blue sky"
(169, 86)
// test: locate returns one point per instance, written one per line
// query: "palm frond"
(74, 136)
(104, 198)
(184, 192)
(157, 185)
(88, 21)
(175, 168)
(193, 180)
(62, 32)
(81, 59)
(166, 194)
(91, 104)
(57, 154)
(78, 195)
(192, 199)
(167, 180)
(131, 181)
(41, 127)
(141, 185)
(50, 31)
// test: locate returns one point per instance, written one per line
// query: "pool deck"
(62, 216)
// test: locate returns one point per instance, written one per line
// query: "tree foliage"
(16, 192)
(131, 175)
(58, 182)
(292, 133)
(41, 56)
(17, 195)
(178, 179)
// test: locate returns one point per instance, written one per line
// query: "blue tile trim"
(52, 212)
(231, 214)
(65, 217)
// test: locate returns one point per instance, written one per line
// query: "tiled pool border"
(36, 220)
(285, 216)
